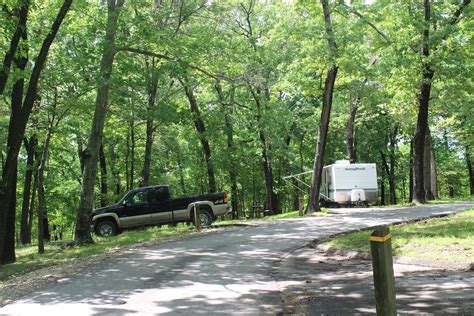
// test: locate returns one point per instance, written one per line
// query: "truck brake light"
(225, 197)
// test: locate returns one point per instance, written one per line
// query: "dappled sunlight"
(335, 285)
(235, 271)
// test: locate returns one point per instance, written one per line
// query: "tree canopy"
(98, 97)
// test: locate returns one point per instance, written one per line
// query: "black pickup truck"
(153, 205)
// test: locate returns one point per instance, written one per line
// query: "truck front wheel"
(106, 228)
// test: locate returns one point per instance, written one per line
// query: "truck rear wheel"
(205, 217)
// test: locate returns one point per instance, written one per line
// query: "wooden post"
(301, 206)
(382, 265)
(197, 216)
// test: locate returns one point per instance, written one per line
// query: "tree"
(202, 131)
(313, 204)
(20, 111)
(424, 97)
(91, 154)
(25, 231)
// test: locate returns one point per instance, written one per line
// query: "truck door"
(136, 210)
(160, 205)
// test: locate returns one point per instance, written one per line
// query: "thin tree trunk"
(132, 153)
(393, 144)
(382, 188)
(25, 209)
(350, 146)
(32, 206)
(152, 87)
(80, 149)
(43, 225)
(148, 147)
(433, 173)
(91, 153)
(271, 198)
(181, 171)
(470, 171)
(410, 182)
(41, 194)
(388, 170)
(201, 129)
(427, 167)
(103, 177)
(227, 108)
(114, 169)
(127, 161)
(313, 204)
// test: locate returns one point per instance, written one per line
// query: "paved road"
(224, 273)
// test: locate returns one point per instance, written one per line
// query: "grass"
(450, 238)
(29, 260)
(292, 214)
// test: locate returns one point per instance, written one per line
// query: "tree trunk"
(382, 188)
(25, 209)
(228, 108)
(32, 205)
(80, 149)
(127, 161)
(114, 169)
(410, 182)
(18, 119)
(271, 198)
(422, 121)
(313, 204)
(152, 87)
(433, 173)
(147, 160)
(427, 167)
(201, 129)
(9, 172)
(132, 153)
(470, 171)
(388, 170)
(91, 153)
(350, 146)
(393, 144)
(181, 171)
(43, 227)
(103, 177)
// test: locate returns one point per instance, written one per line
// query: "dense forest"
(98, 97)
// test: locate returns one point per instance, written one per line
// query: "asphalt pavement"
(224, 273)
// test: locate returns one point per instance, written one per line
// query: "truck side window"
(159, 194)
(138, 197)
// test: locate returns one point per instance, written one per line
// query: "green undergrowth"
(448, 238)
(29, 260)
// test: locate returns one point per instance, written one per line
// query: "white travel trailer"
(344, 183)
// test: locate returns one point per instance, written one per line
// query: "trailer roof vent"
(343, 162)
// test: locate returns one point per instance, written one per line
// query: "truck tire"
(106, 228)
(206, 218)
